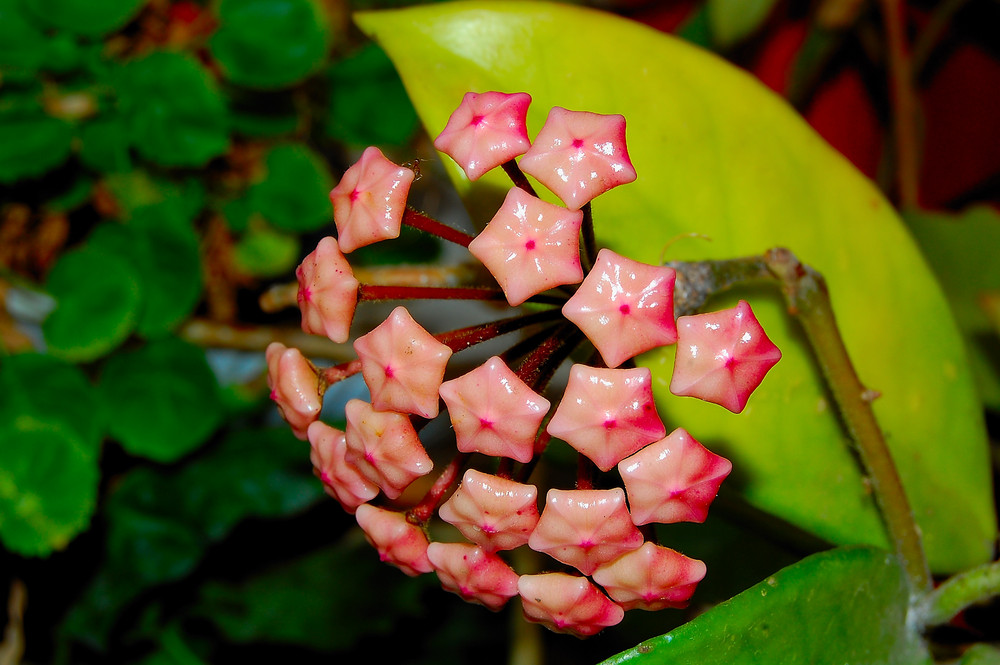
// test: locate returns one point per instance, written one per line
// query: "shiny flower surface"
(486, 130)
(370, 200)
(398, 542)
(341, 480)
(474, 574)
(567, 604)
(328, 292)
(496, 513)
(294, 387)
(384, 448)
(651, 578)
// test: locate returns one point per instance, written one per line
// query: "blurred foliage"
(161, 161)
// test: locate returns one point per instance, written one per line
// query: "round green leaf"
(718, 154)
(31, 142)
(104, 145)
(23, 45)
(168, 265)
(33, 384)
(295, 193)
(97, 304)
(843, 607)
(270, 43)
(173, 109)
(264, 252)
(162, 399)
(92, 18)
(368, 104)
(48, 486)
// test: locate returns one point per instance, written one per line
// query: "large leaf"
(843, 607)
(719, 155)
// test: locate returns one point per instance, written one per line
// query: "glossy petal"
(474, 574)
(328, 292)
(585, 528)
(567, 604)
(579, 155)
(722, 356)
(403, 365)
(651, 578)
(398, 542)
(384, 448)
(530, 246)
(624, 307)
(494, 412)
(341, 480)
(486, 130)
(496, 513)
(607, 414)
(369, 201)
(294, 386)
(673, 480)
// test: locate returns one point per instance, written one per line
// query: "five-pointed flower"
(328, 292)
(496, 513)
(341, 480)
(403, 365)
(722, 356)
(530, 246)
(651, 578)
(294, 386)
(607, 414)
(474, 574)
(494, 412)
(673, 480)
(624, 307)
(383, 446)
(567, 604)
(585, 528)
(486, 130)
(579, 155)
(398, 542)
(369, 201)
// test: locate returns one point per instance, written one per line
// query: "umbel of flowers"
(587, 303)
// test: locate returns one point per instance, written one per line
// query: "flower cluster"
(604, 556)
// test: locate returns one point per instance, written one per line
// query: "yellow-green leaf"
(718, 154)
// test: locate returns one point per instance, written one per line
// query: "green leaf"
(162, 398)
(160, 522)
(368, 104)
(843, 607)
(23, 45)
(962, 252)
(732, 21)
(297, 602)
(167, 262)
(32, 383)
(48, 485)
(166, 126)
(264, 252)
(165, 201)
(104, 145)
(92, 18)
(270, 43)
(31, 142)
(718, 154)
(295, 193)
(97, 297)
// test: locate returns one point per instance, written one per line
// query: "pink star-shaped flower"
(530, 246)
(567, 604)
(403, 365)
(398, 542)
(383, 446)
(474, 574)
(722, 356)
(294, 386)
(624, 307)
(369, 201)
(494, 412)
(579, 155)
(607, 414)
(495, 513)
(651, 578)
(328, 292)
(486, 130)
(673, 480)
(585, 528)
(341, 480)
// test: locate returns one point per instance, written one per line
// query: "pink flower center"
(389, 372)
(529, 245)
(355, 195)
(305, 294)
(625, 309)
(578, 143)
(610, 423)
(477, 120)
(483, 422)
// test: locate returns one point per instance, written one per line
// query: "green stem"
(808, 299)
(959, 592)
(806, 292)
